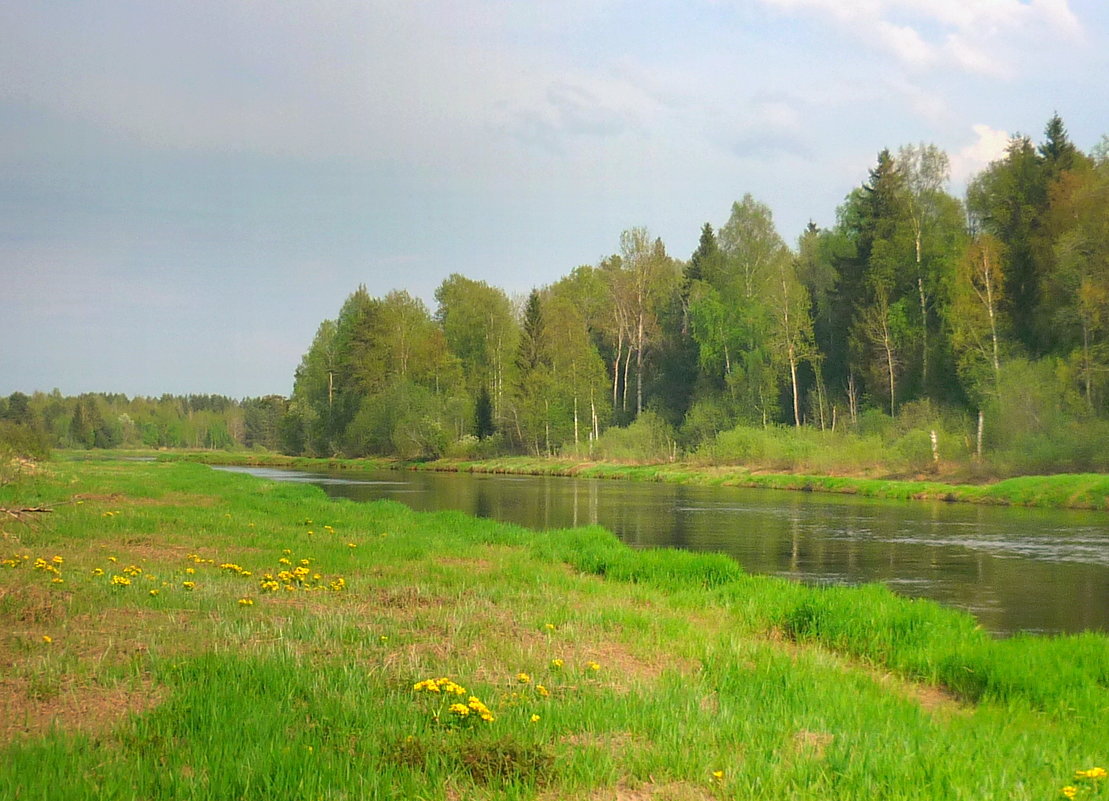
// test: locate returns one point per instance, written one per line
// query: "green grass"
(1060, 491)
(666, 674)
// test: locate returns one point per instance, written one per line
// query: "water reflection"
(1015, 569)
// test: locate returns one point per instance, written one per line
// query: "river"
(1036, 570)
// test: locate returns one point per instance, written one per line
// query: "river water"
(1036, 570)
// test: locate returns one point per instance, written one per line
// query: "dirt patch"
(811, 744)
(467, 564)
(169, 499)
(647, 791)
(89, 710)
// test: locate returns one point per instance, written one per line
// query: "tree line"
(985, 319)
(32, 424)
(992, 310)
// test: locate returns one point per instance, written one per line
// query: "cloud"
(977, 36)
(989, 145)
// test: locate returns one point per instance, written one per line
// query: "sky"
(188, 189)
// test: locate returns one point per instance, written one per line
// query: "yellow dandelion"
(718, 775)
(57, 560)
(155, 592)
(556, 664)
(112, 559)
(1070, 791)
(46, 638)
(246, 602)
(57, 580)
(523, 678)
(549, 626)
(188, 585)
(543, 691)
(190, 570)
(534, 718)
(352, 544)
(593, 666)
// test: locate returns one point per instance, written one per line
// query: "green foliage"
(648, 439)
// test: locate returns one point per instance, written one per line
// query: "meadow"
(173, 632)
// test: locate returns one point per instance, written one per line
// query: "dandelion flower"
(155, 592)
(57, 560)
(1070, 791)
(190, 570)
(543, 691)
(534, 718)
(593, 666)
(549, 626)
(556, 664)
(523, 678)
(46, 638)
(246, 602)
(718, 775)
(188, 585)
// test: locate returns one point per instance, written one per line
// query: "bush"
(648, 439)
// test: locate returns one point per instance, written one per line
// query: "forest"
(920, 333)
(919, 328)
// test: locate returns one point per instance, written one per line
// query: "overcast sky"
(187, 189)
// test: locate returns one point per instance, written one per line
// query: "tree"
(481, 331)
(1008, 201)
(483, 414)
(978, 319)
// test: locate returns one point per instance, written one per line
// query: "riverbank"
(197, 634)
(1062, 491)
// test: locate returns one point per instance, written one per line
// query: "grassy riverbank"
(147, 655)
(1063, 491)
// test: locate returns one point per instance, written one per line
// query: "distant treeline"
(917, 312)
(35, 423)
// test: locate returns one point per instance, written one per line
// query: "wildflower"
(593, 666)
(190, 570)
(352, 544)
(1070, 791)
(384, 639)
(112, 559)
(132, 570)
(543, 691)
(556, 664)
(46, 638)
(305, 562)
(288, 551)
(1092, 773)
(549, 626)
(246, 602)
(121, 581)
(459, 709)
(98, 571)
(523, 678)
(718, 775)
(188, 585)
(284, 561)
(155, 592)
(57, 560)
(534, 718)
(57, 580)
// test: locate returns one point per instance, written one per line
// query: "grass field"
(173, 632)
